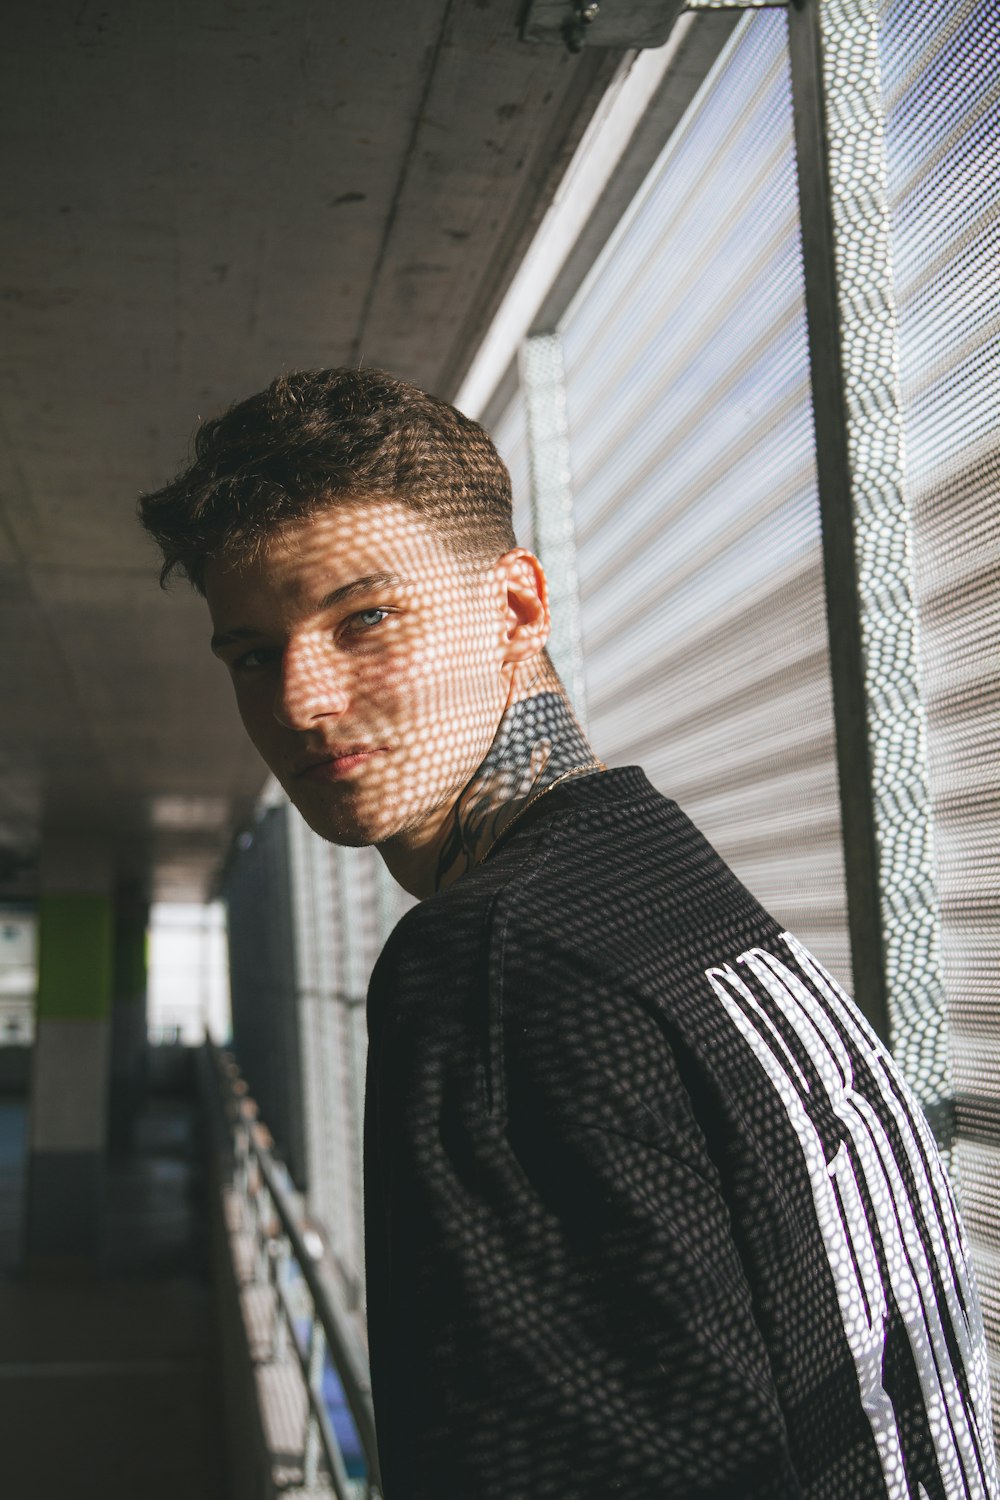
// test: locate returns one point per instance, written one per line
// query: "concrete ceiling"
(196, 196)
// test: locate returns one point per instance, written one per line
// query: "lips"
(338, 762)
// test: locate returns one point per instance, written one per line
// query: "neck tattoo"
(537, 744)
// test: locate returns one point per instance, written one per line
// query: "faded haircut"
(316, 436)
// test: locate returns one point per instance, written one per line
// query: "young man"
(649, 1211)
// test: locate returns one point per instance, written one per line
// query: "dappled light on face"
(371, 666)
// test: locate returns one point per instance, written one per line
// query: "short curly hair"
(316, 436)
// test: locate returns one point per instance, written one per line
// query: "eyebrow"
(336, 596)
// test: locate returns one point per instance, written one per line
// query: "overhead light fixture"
(619, 24)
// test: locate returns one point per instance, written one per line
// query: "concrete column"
(128, 1019)
(67, 1125)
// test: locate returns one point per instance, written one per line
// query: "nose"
(312, 685)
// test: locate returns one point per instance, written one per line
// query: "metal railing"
(282, 1242)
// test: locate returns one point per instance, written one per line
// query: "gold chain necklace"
(596, 765)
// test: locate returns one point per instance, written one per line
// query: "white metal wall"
(510, 434)
(699, 556)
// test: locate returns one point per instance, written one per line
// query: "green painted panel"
(75, 957)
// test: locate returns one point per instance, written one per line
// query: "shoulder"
(605, 909)
(605, 875)
(615, 878)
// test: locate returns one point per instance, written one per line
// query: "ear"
(526, 622)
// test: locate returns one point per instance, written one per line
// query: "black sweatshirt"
(649, 1210)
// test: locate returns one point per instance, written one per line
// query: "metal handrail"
(280, 1238)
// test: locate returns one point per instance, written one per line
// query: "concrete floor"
(111, 1388)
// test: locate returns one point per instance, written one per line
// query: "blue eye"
(368, 619)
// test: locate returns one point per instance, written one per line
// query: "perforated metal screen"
(940, 67)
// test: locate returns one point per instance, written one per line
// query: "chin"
(350, 833)
(346, 839)
(350, 826)
(358, 817)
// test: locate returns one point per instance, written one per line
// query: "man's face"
(368, 663)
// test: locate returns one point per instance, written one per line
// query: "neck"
(537, 741)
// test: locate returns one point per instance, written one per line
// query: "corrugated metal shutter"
(702, 602)
(941, 84)
(344, 905)
(328, 1096)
